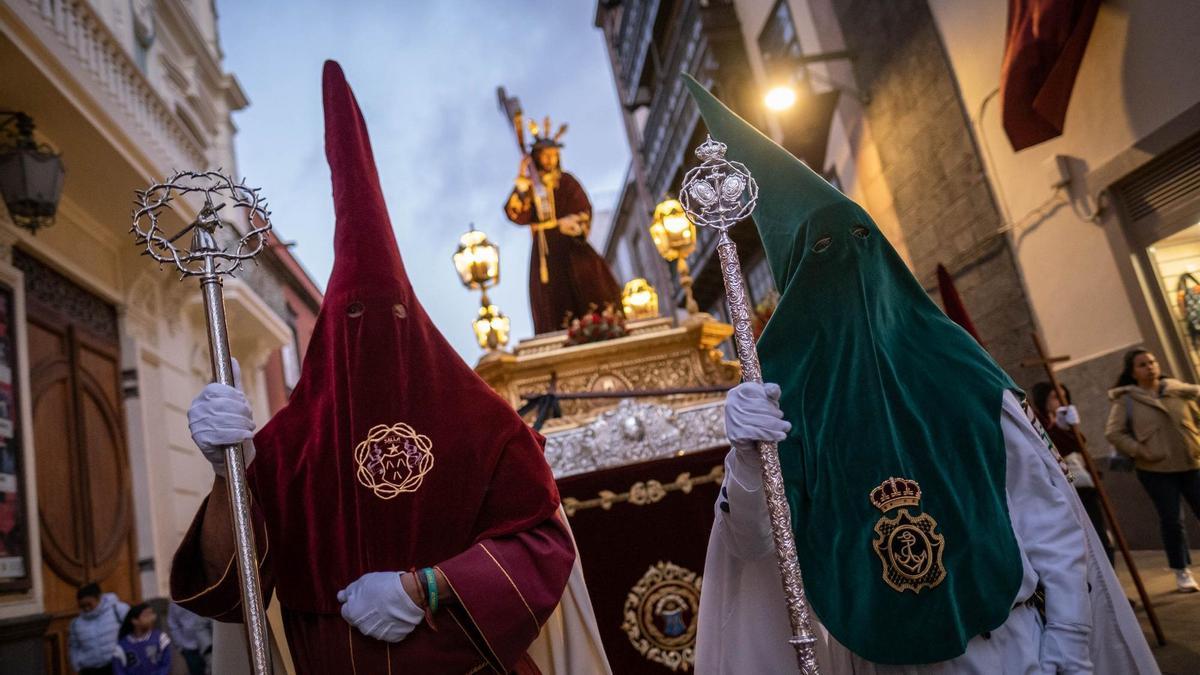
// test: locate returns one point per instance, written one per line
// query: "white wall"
(1139, 71)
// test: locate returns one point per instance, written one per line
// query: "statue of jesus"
(567, 278)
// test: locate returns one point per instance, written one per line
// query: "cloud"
(425, 76)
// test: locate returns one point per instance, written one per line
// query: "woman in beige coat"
(1156, 421)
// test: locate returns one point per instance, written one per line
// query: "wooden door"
(84, 498)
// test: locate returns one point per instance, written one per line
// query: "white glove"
(379, 607)
(220, 416)
(752, 414)
(1066, 416)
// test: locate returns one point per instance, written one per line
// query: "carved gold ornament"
(909, 546)
(642, 493)
(661, 615)
(393, 459)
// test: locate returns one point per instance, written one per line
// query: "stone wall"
(933, 169)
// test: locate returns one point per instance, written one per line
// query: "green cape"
(878, 383)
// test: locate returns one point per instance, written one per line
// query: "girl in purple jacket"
(142, 649)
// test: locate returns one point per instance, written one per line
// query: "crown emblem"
(894, 493)
(710, 149)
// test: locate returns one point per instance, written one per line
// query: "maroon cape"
(1044, 47)
(952, 302)
(391, 455)
(579, 277)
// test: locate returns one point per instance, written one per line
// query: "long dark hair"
(1040, 393)
(1126, 377)
(133, 613)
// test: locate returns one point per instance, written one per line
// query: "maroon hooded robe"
(391, 455)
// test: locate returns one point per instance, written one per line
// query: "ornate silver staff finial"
(206, 258)
(720, 193)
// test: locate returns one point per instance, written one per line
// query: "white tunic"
(743, 619)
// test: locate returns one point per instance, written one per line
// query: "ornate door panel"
(84, 499)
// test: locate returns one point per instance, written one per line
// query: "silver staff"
(719, 193)
(206, 258)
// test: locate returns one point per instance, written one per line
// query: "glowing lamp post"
(477, 262)
(491, 328)
(639, 300)
(674, 236)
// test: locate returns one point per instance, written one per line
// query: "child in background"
(142, 649)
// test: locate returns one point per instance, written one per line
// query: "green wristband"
(431, 589)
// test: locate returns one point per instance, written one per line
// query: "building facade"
(1091, 238)
(103, 351)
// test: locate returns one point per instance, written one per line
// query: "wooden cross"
(1047, 364)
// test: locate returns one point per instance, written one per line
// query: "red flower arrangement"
(596, 326)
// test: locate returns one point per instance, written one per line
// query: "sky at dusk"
(425, 75)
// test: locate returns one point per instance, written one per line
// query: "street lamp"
(31, 175)
(491, 328)
(477, 262)
(639, 300)
(674, 236)
(780, 98)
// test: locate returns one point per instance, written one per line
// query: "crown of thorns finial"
(204, 254)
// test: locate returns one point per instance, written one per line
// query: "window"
(290, 354)
(780, 48)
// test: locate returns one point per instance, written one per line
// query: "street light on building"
(780, 98)
(639, 300)
(31, 175)
(674, 236)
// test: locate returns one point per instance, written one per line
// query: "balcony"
(100, 67)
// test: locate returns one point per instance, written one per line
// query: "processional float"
(206, 258)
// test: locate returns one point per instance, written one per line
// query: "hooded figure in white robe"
(936, 527)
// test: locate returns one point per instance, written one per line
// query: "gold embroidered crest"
(393, 459)
(909, 546)
(661, 613)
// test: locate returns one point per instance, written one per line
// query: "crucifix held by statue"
(567, 278)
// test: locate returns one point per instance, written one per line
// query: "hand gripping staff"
(719, 193)
(210, 255)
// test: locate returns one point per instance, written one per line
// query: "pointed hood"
(777, 172)
(364, 245)
(391, 452)
(878, 383)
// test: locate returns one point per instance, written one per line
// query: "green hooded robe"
(878, 383)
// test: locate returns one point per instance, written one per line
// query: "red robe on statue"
(578, 276)
(391, 455)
